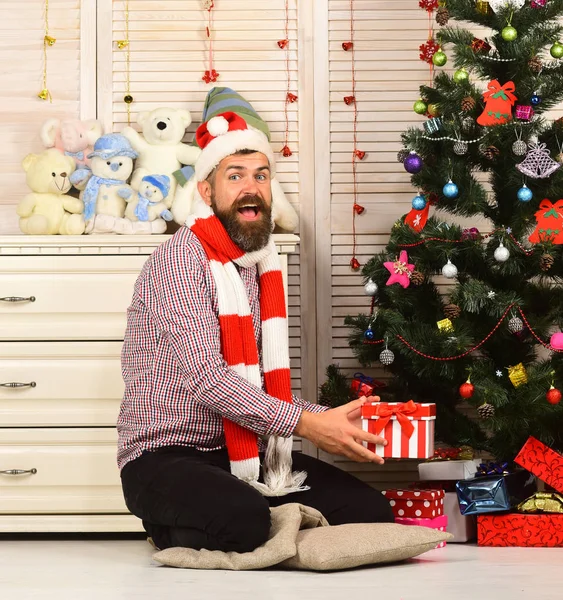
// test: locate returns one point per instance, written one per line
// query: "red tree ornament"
(286, 151)
(359, 209)
(498, 103)
(553, 395)
(291, 98)
(348, 100)
(283, 43)
(478, 45)
(428, 5)
(549, 223)
(354, 264)
(467, 389)
(347, 46)
(417, 218)
(360, 154)
(428, 49)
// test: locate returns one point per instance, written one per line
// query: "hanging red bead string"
(477, 346)
(290, 98)
(357, 154)
(210, 75)
(430, 48)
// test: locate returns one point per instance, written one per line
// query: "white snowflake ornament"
(497, 5)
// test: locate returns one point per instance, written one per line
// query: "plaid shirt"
(178, 387)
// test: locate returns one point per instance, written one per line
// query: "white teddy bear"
(160, 146)
(146, 211)
(105, 188)
(48, 209)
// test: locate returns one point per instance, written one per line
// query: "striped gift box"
(407, 426)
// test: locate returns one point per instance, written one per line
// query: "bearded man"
(207, 419)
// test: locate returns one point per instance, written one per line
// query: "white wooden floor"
(123, 570)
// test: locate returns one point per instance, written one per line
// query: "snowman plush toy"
(104, 189)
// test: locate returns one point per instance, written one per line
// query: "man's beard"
(249, 236)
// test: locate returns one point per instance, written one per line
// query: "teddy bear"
(72, 137)
(105, 190)
(48, 209)
(146, 212)
(159, 147)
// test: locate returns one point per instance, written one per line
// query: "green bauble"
(461, 75)
(509, 34)
(439, 58)
(557, 50)
(420, 107)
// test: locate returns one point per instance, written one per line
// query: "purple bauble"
(413, 163)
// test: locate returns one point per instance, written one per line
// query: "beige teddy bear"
(48, 209)
(160, 146)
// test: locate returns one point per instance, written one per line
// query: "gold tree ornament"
(48, 42)
(518, 375)
(445, 326)
(124, 45)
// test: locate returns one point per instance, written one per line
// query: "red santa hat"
(224, 135)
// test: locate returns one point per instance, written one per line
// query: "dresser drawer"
(73, 471)
(60, 383)
(66, 297)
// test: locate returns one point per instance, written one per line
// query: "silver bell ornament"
(387, 357)
(449, 270)
(370, 288)
(502, 253)
(515, 325)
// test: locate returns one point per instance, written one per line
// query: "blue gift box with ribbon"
(494, 493)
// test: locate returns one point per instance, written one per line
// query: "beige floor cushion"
(300, 538)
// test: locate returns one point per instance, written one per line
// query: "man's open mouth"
(250, 212)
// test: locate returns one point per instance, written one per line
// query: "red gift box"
(439, 523)
(362, 385)
(524, 112)
(543, 462)
(407, 426)
(425, 504)
(537, 531)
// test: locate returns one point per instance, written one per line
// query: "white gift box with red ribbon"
(408, 428)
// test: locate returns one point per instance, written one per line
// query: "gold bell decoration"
(121, 44)
(518, 375)
(445, 325)
(49, 40)
(483, 7)
(45, 94)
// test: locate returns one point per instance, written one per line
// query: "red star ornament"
(400, 270)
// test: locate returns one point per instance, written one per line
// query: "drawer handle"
(17, 299)
(18, 472)
(16, 384)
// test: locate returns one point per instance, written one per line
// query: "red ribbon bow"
(497, 91)
(401, 410)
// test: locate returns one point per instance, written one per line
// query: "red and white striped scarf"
(240, 350)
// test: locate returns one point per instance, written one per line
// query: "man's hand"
(334, 431)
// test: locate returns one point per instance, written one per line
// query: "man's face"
(240, 193)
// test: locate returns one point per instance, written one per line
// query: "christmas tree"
(461, 315)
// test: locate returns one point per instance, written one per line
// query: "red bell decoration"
(291, 98)
(360, 154)
(553, 395)
(286, 151)
(359, 209)
(283, 43)
(349, 100)
(467, 389)
(354, 264)
(347, 46)
(210, 76)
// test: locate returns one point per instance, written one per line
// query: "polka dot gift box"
(422, 504)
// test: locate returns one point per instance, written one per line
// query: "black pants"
(190, 499)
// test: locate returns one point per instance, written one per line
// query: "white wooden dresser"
(63, 304)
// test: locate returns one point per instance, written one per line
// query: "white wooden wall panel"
(168, 56)
(70, 81)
